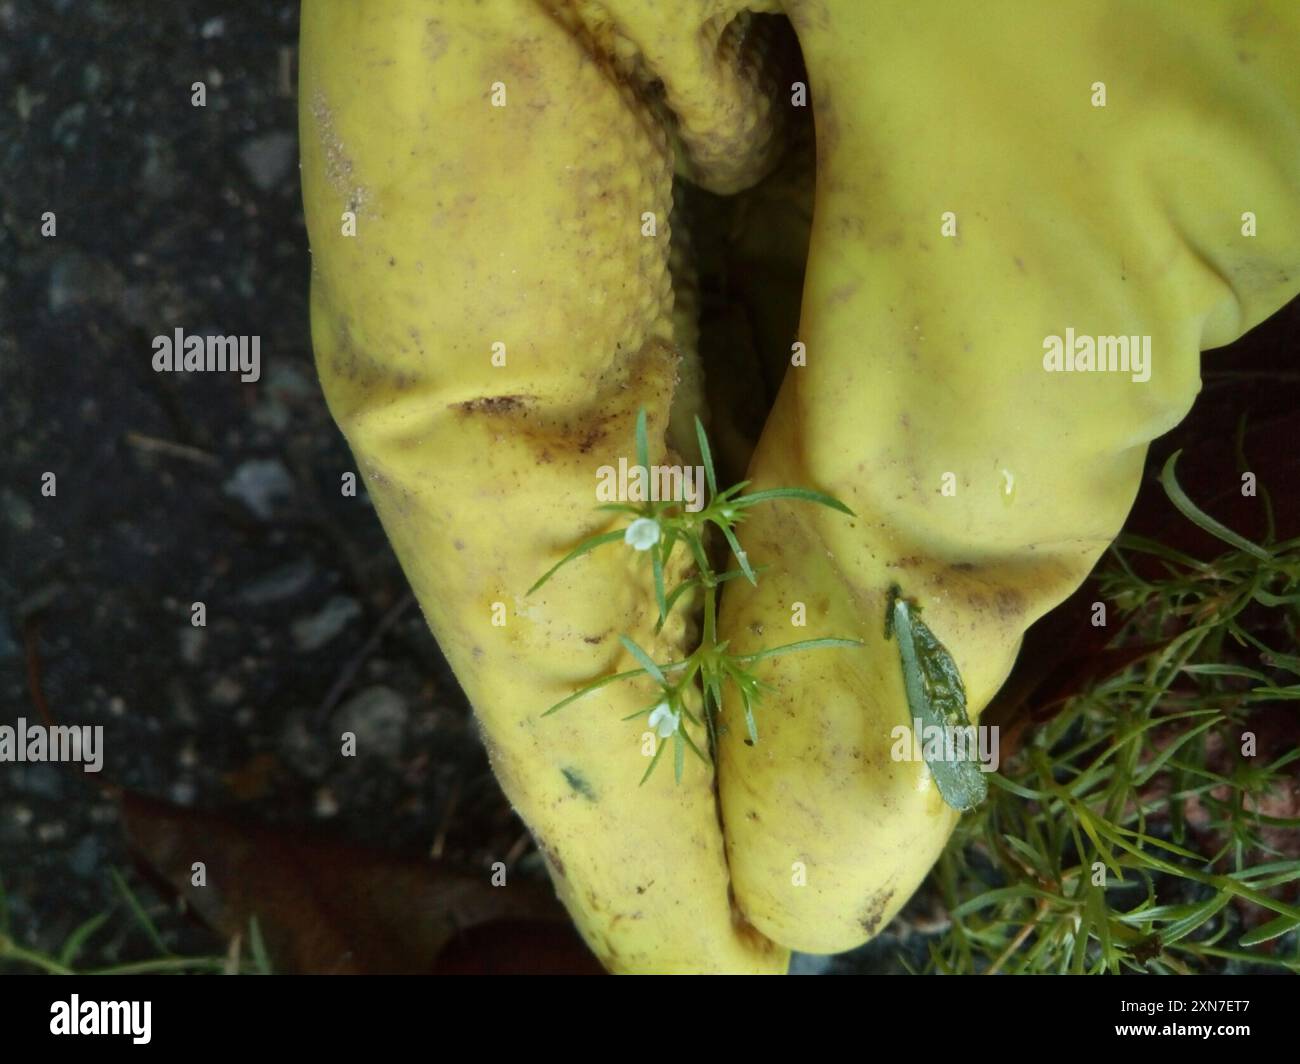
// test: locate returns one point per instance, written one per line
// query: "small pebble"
(313, 632)
(103, 814)
(269, 159)
(183, 792)
(17, 510)
(226, 691)
(52, 832)
(326, 804)
(259, 484)
(303, 747)
(85, 856)
(280, 583)
(377, 716)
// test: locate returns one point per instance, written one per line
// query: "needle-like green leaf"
(604, 681)
(657, 564)
(645, 660)
(706, 456)
(794, 648)
(582, 548)
(642, 443)
(660, 744)
(741, 556)
(794, 493)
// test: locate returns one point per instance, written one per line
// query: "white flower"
(664, 720)
(642, 534)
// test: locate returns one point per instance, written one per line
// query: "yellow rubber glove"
(487, 190)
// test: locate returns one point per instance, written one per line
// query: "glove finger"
(491, 305)
(985, 482)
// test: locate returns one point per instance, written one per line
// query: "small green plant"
(658, 528)
(13, 955)
(1131, 834)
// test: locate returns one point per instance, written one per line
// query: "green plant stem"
(11, 951)
(710, 609)
(164, 964)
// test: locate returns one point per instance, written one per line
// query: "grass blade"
(1200, 518)
(141, 917)
(1269, 931)
(261, 958)
(78, 938)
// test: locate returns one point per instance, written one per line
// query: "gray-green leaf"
(936, 697)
